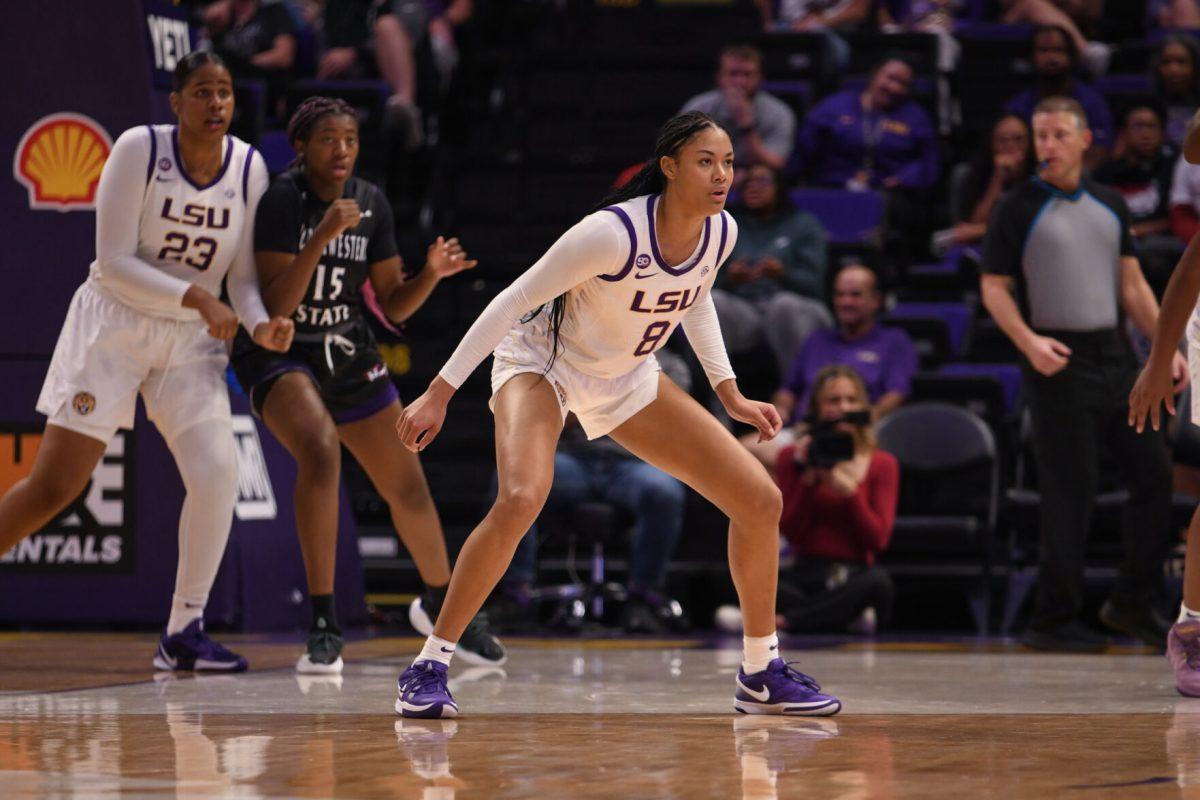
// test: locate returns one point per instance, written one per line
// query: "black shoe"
(1073, 637)
(1139, 621)
(478, 645)
(650, 612)
(640, 617)
(323, 656)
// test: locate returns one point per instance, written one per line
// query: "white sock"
(758, 651)
(1186, 614)
(436, 649)
(207, 463)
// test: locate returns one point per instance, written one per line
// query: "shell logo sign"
(59, 160)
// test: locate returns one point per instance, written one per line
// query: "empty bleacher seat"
(949, 496)
(850, 218)
(939, 330)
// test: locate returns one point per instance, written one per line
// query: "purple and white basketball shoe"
(191, 649)
(779, 689)
(422, 692)
(1183, 651)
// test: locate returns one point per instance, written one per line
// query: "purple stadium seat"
(1007, 375)
(956, 316)
(1124, 84)
(276, 150)
(850, 218)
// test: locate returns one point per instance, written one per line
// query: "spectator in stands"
(1142, 174)
(761, 126)
(975, 186)
(937, 17)
(256, 39)
(1174, 14)
(1054, 57)
(1063, 298)
(814, 15)
(824, 17)
(876, 138)
(601, 469)
(885, 357)
(1072, 17)
(369, 38)
(1176, 75)
(839, 505)
(772, 287)
(881, 139)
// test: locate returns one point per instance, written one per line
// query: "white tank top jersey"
(623, 300)
(183, 233)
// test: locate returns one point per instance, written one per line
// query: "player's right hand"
(222, 322)
(421, 422)
(340, 216)
(1153, 389)
(1048, 356)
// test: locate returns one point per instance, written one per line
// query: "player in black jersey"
(323, 239)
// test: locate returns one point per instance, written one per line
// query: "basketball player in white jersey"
(1154, 388)
(174, 215)
(577, 332)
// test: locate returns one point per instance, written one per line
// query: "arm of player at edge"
(1154, 386)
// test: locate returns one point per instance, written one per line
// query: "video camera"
(830, 445)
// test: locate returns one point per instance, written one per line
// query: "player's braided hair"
(674, 134)
(308, 113)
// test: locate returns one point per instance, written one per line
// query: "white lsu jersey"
(614, 322)
(190, 232)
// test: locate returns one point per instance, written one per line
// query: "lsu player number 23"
(174, 217)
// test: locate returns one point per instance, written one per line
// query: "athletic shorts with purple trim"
(343, 363)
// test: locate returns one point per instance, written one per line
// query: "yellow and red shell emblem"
(59, 161)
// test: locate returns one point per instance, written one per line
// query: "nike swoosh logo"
(411, 707)
(444, 650)
(161, 179)
(761, 697)
(773, 647)
(645, 275)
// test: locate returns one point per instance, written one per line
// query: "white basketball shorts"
(600, 404)
(107, 352)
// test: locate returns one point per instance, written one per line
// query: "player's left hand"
(446, 257)
(762, 416)
(1153, 388)
(275, 334)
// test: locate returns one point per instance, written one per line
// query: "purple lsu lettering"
(656, 332)
(674, 300)
(196, 215)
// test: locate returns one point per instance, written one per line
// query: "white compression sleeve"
(703, 331)
(207, 461)
(118, 198)
(594, 246)
(242, 279)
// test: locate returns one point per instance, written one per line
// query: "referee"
(1060, 275)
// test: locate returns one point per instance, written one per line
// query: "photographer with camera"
(839, 504)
